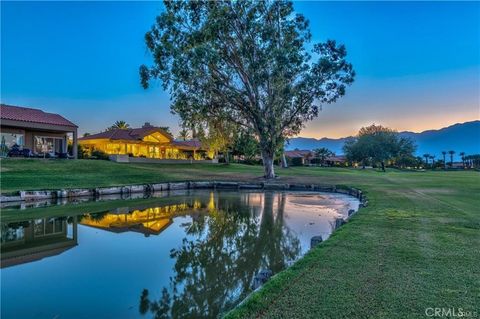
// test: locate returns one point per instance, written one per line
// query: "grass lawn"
(416, 246)
(30, 174)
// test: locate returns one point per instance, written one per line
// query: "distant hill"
(462, 137)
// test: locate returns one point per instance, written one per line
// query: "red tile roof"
(338, 158)
(188, 144)
(299, 153)
(25, 114)
(131, 134)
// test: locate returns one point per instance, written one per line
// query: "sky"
(417, 63)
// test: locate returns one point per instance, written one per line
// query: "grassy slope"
(54, 174)
(417, 245)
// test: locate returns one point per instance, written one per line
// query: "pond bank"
(128, 190)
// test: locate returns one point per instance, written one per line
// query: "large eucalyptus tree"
(245, 62)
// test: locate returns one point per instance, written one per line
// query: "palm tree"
(419, 162)
(475, 160)
(451, 157)
(119, 125)
(444, 160)
(432, 157)
(462, 154)
(427, 156)
(472, 161)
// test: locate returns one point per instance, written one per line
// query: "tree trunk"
(383, 166)
(268, 165)
(227, 158)
(284, 161)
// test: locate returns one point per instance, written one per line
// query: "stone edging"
(29, 196)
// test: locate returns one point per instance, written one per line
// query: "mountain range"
(461, 137)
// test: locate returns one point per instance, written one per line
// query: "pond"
(191, 254)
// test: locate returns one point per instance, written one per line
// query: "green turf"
(21, 174)
(417, 244)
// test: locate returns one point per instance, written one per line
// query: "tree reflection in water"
(216, 264)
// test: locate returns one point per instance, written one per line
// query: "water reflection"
(149, 221)
(231, 243)
(195, 257)
(31, 240)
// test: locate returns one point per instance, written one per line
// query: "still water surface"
(193, 257)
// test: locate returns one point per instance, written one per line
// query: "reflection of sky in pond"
(196, 258)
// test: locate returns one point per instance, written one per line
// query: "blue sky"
(417, 63)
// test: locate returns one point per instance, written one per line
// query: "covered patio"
(27, 132)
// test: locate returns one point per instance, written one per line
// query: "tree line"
(380, 146)
(374, 145)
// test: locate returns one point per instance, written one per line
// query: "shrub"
(99, 155)
(81, 151)
(296, 161)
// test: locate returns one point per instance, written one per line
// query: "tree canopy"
(166, 129)
(323, 153)
(378, 144)
(246, 145)
(246, 62)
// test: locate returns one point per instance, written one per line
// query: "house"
(306, 157)
(148, 141)
(338, 160)
(299, 157)
(36, 131)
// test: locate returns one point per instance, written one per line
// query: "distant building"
(339, 160)
(36, 131)
(307, 157)
(147, 141)
(300, 157)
